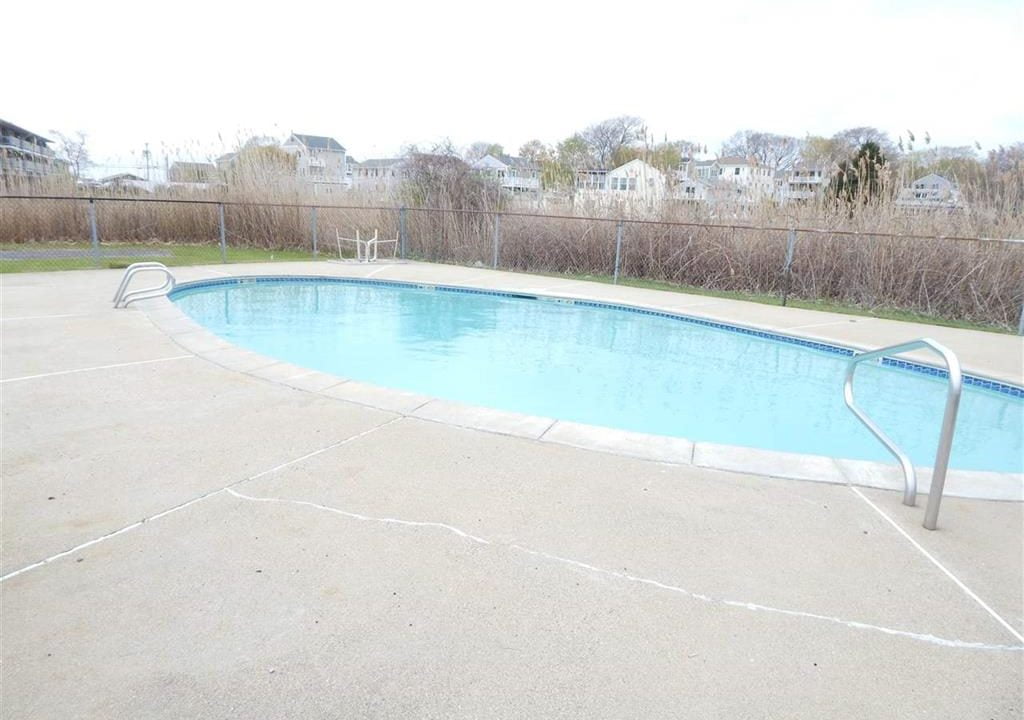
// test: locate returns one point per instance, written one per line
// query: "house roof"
(319, 142)
(121, 176)
(225, 157)
(186, 164)
(11, 127)
(734, 160)
(487, 161)
(513, 161)
(502, 160)
(638, 162)
(801, 166)
(380, 162)
(933, 178)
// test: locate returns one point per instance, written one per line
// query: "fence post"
(313, 223)
(788, 264)
(223, 235)
(1020, 323)
(401, 231)
(618, 252)
(497, 239)
(94, 233)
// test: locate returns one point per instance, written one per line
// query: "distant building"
(225, 163)
(25, 155)
(726, 179)
(745, 175)
(803, 182)
(514, 174)
(930, 192)
(692, 188)
(126, 181)
(637, 181)
(319, 160)
(591, 179)
(637, 184)
(192, 173)
(700, 169)
(377, 174)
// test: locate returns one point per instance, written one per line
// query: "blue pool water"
(604, 366)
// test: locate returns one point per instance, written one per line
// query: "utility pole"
(146, 157)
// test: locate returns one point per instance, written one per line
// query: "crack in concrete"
(755, 607)
(192, 501)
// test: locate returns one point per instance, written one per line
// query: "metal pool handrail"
(955, 384)
(122, 297)
(364, 247)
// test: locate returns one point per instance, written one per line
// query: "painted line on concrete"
(192, 501)
(756, 607)
(97, 367)
(46, 317)
(931, 558)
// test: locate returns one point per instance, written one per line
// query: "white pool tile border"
(658, 448)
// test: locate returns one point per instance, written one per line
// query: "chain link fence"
(975, 280)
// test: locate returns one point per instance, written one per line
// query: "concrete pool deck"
(183, 539)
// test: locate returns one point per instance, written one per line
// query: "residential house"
(192, 173)
(126, 182)
(25, 155)
(636, 183)
(803, 182)
(726, 179)
(377, 174)
(514, 174)
(319, 160)
(699, 169)
(591, 179)
(637, 180)
(749, 179)
(225, 163)
(930, 192)
(696, 189)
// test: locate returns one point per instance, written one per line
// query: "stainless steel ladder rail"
(122, 297)
(955, 385)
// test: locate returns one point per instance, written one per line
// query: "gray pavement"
(220, 545)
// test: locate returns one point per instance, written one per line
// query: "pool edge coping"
(197, 339)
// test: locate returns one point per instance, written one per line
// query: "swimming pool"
(614, 366)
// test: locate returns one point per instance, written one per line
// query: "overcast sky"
(191, 78)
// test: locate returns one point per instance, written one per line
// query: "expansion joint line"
(931, 558)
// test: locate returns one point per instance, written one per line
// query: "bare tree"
(480, 148)
(776, 152)
(73, 151)
(852, 139)
(608, 137)
(441, 179)
(536, 152)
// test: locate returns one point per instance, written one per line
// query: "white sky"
(191, 78)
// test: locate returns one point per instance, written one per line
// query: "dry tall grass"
(712, 247)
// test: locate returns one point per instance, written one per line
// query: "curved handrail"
(955, 385)
(123, 297)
